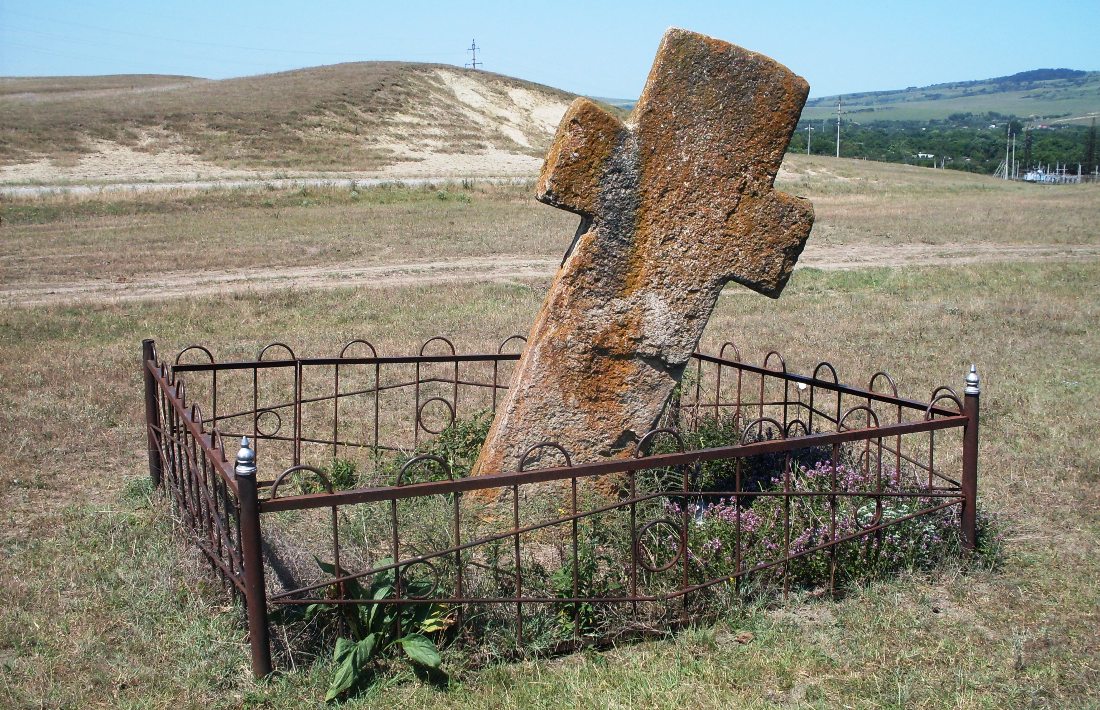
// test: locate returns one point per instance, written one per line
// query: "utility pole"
(1013, 156)
(1028, 138)
(809, 134)
(473, 63)
(838, 112)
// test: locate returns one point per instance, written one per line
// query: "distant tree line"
(964, 141)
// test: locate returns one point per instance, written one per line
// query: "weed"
(343, 474)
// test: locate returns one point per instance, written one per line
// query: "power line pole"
(1013, 156)
(473, 63)
(838, 112)
(809, 137)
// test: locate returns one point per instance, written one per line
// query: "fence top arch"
(782, 361)
(729, 344)
(790, 426)
(357, 341)
(509, 339)
(544, 445)
(189, 348)
(274, 490)
(871, 416)
(218, 444)
(639, 447)
(828, 365)
(417, 460)
(889, 380)
(273, 345)
(759, 423)
(438, 339)
(938, 395)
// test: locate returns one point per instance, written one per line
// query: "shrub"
(918, 542)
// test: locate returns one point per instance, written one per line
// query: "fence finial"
(973, 381)
(246, 459)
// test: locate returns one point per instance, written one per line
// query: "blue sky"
(594, 48)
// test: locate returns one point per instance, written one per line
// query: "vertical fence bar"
(336, 409)
(519, 567)
(153, 432)
(252, 557)
(970, 460)
(576, 560)
(298, 374)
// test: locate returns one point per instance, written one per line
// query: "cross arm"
(578, 158)
(764, 237)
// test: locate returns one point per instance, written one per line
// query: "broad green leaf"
(420, 588)
(367, 647)
(420, 650)
(314, 609)
(343, 648)
(381, 579)
(347, 672)
(326, 567)
(352, 658)
(352, 588)
(433, 625)
(417, 614)
(437, 620)
(380, 616)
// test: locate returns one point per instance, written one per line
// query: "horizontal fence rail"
(545, 555)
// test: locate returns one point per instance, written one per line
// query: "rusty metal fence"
(546, 552)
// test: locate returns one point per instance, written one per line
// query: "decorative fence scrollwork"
(485, 544)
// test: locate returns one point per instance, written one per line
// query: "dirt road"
(183, 284)
(245, 183)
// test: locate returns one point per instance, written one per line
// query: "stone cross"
(673, 205)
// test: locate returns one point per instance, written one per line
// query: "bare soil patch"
(112, 162)
(183, 284)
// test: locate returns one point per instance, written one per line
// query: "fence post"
(153, 433)
(252, 558)
(970, 460)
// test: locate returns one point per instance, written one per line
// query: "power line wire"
(200, 43)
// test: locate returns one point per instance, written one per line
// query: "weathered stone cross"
(673, 205)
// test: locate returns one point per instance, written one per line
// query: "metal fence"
(552, 550)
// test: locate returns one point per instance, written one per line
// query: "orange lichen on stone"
(674, 204)
(575, 165)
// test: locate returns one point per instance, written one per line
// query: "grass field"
(99, 608)
(877, 209)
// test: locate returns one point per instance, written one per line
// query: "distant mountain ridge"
(1057, 94)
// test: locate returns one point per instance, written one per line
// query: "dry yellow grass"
(99, 608)
(339, 117)
(866, 213)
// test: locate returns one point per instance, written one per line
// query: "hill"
(43, 88)
(1055, 94)
(363, 116)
